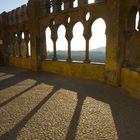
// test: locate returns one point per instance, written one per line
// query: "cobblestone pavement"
(43, 106)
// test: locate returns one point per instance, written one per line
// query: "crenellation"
(17, 15)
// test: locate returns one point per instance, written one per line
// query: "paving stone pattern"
(44, 106)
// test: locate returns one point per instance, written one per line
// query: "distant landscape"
(95, 55)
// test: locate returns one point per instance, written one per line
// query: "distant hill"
(101, 49)
(96, 55)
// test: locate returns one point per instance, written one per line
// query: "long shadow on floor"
(17, 95)
(3, 75)
(75, 119)
(12, 134)
(19, 76)
(125, 110)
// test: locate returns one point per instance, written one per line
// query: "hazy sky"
(8, 5)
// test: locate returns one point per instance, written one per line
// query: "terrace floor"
(44, 106)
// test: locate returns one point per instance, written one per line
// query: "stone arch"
(61, 43)
(49, 43)
(97, 43)
(78, 42)
(137, 21)
(75, 3)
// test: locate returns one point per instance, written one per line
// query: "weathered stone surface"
(35, 105)
(122, 59)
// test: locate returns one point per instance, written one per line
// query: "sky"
(8, 5)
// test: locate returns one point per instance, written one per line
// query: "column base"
(86, 61)
(69, 60)
(54, 59)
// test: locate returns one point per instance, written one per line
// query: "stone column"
(66, 4)
(10, 44)
(19, 39)
(87, 36)
(48, 6)
(45, 7)
(139, 21)
(43, 44)
(85, 1)
(69, 37)
(71, 3)
(34, 13)
(54, 38)
(59, 3)
(13, 42)
(4, 58)
(54, 5)
(81, 3)
(113, 54)
(27, 41)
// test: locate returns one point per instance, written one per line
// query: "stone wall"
(123, 38)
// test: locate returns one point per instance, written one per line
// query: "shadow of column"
(3, 75)
(75, 119)
(17, 95)
(12, 134)
(5, 83)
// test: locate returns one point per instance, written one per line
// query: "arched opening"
(62, 6)
(49, 43)
(16, 48)
(61, 44)
(78, 43)
(137, 20)
(91, 1)
(23, 46)
(29, 48)
(87, 17)
(22, 36)
(132, 21)
(51, 9)
(75, 3)
(97, 44)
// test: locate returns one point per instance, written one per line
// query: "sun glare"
(91, 1)
(78, 41)
(137, 21)
(98, 38)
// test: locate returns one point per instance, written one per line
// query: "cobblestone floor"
(42, 106)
